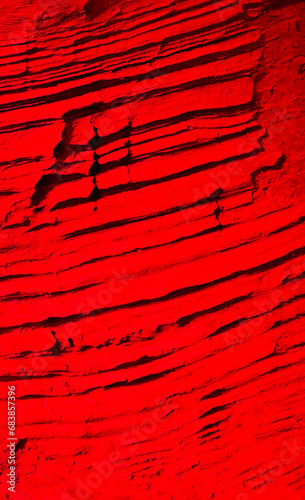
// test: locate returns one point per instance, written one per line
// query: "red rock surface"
(153, 248)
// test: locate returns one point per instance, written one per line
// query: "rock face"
(153, 248)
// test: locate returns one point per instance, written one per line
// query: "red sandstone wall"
(153, 248)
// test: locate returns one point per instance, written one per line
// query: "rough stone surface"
(153, 248)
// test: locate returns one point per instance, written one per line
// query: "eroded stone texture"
(153, 248)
